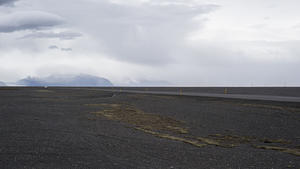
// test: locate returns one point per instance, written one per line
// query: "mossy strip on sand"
(282, 149)
(214, 142)
(172, 129)
(175, 138)
(131, 115)
(281, 141)
(232, 139)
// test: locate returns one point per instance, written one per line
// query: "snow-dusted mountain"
(66, 80)
(2, 84)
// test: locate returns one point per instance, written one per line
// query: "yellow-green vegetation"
(172, 129)
(281, 141)
(293, 151)
(133, 116)
(210, 141)
(227, 141)
(175, 138)
(232, 140)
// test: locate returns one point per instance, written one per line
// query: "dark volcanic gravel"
(56, 128)
(269, 91)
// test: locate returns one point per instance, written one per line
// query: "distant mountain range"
(2, 84)
(66, 80)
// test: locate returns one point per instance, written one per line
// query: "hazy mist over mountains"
(2, 84)
(65, 80)
(83, 80)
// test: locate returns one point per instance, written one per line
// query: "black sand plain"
(90, 128)
(268, 91)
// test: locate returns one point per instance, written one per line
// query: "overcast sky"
(178, 42)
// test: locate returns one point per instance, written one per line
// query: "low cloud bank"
(7, 2)
(53, 35)
(30, 20)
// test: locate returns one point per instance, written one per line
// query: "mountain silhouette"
(66, 80)
(2, 84)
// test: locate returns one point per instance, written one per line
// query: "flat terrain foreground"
(90, 128)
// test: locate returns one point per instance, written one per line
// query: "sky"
(159, 42)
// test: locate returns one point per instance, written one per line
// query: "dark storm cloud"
(143, 34)
(66, 49)
(54, 47)
(31, 20)
(7, 2)
(61, 35)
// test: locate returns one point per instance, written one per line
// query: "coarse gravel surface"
(89, 128)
